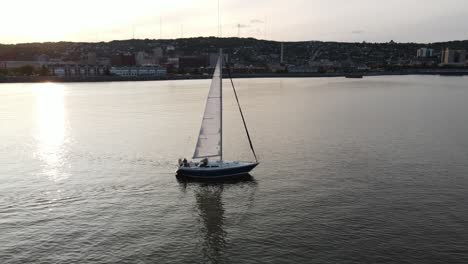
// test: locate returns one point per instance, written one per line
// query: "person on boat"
(204, 162)
(179, 161)
(185, 163)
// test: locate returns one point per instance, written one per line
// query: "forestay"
(209, 142)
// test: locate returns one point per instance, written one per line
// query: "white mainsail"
(209, 142)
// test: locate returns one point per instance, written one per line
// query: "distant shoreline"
(56, 79)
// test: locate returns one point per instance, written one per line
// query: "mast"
(221, 103)
(220, 86)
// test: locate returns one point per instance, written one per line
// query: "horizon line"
(214, 37)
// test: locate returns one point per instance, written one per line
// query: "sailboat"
(209, 148)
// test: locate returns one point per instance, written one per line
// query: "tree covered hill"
(242, 50)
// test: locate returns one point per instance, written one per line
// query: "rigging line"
(242, 114)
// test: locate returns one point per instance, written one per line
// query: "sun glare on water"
(50, 131)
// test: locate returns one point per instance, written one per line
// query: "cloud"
(256, 21)
(357, 31)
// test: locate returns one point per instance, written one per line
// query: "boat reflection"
(50, 131)
(242, 178)
(211, 212)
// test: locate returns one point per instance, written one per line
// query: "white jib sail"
(209, 139)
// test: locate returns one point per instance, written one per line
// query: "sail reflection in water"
(50, 133)
(211, 213)
(213, 204)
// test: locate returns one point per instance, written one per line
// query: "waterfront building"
(362, 67)
(453, 57)
(82, 71)
(425, 52)
(324, 63)
(76, 70)
(59, 61)
(19, 64)
(303, 69)
(136, 71)
(248, 69)
(58, 71)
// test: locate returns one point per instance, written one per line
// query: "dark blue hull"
(216, 173)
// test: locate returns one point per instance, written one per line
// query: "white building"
(425, 52)
(142, 58)
(453, 57)
(75, 70)
(150, 71)
(59, 71)
(173, 61)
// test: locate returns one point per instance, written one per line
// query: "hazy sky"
(338, 20)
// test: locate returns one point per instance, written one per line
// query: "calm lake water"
(352, 171)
